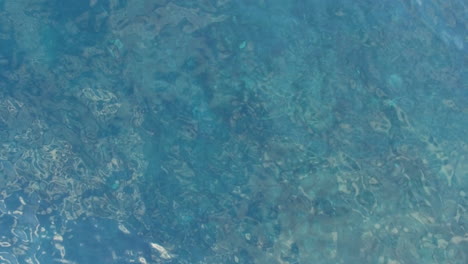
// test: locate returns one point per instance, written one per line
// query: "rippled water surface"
(233, 131)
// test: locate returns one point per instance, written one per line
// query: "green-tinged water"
(233, 131)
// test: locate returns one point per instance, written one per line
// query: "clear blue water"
(233, 131)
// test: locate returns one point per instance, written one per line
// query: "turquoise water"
(233, 131)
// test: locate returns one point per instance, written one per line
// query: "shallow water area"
(246, 131)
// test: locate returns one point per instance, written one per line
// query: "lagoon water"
(233, 131)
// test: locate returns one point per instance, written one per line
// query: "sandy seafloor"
(233, 131)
